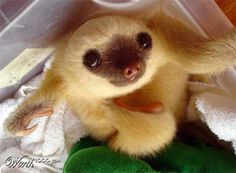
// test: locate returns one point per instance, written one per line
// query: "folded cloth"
(88, 156)
(51, 140)
(217, 104)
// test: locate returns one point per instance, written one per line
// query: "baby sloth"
(126, 80)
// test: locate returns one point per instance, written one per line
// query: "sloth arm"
(41, 103)
(138, 133)
(194, 53)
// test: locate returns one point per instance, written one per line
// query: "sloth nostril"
(138, 67)
(131, 71)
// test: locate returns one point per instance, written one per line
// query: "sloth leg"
(140, 134)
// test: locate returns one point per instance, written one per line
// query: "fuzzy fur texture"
(176, 53)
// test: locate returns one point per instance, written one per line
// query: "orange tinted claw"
(150, 108)
(146, 108)
(24, 122)
(26, 131)
(42, 112)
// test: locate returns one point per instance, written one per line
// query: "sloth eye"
(92, 58)
(144, 40)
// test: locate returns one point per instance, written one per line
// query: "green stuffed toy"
(88, 156)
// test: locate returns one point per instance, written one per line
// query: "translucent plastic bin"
(204, 16)
(35, 24)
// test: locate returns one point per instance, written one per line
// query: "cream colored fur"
(176, 52)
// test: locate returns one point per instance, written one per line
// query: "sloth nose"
(131, 71)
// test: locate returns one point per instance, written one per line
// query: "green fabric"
(182, 158)
(88, 156)
(100, 159)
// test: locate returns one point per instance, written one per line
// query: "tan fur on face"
(176, 52)
(97, 34)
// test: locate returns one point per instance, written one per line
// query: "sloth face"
(112, 55)
(123, 62)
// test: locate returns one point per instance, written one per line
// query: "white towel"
(219, 109)
(51, 140)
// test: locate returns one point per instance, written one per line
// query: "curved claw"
(26, 131)
(146, 108)
(42, 112)
(24, 122)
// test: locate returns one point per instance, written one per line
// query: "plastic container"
(34, 24)
(127, 6)
(37, 23)
(204, 16)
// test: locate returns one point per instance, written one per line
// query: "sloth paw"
(17, 123)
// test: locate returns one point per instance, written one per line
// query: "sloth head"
(111, 56)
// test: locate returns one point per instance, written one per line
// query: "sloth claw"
(42, 112)
(155, 107)
(26, 131)
(17, 124)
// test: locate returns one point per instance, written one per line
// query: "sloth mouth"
(126, 82)
(123, 80)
